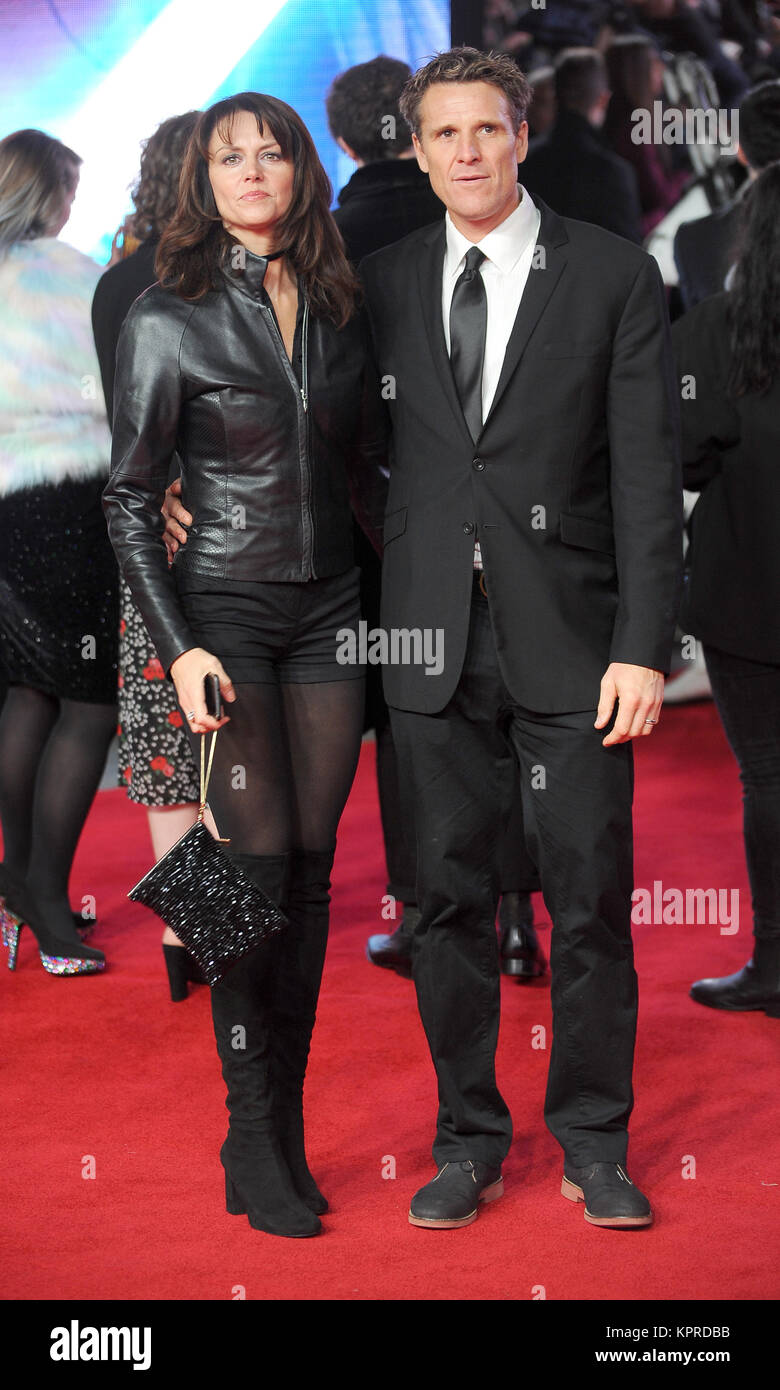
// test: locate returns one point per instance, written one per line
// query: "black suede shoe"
(518, 947)
(451, 1198)
(394, 952)
(755, 986)
(609, 1195)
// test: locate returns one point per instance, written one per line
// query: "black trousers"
(577, 798)
(518, 874)
(747, 696)
(396, 806)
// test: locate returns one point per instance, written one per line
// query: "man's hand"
(176, 518)
(639, 691)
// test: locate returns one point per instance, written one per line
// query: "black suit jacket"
(575, 173)
(704, 251)
(383, 202)
(731, 450)
(116, 291)
(573, 486)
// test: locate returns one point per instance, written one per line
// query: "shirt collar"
(503, 246)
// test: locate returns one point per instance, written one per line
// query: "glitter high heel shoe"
(9, 883)
(58, 956)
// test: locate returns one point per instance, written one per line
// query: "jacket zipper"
(305, 336)
(301, 392)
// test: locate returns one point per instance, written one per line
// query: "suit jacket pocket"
(586, 532)
(395, 524)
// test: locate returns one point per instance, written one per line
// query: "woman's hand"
(189, 673)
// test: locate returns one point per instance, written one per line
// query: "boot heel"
(233, 1202)
(176, 966)
(570, 1190)
(12, 927)
(492, 1193)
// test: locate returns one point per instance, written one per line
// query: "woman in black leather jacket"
(249, 360)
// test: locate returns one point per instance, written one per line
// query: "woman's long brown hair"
(195, 245)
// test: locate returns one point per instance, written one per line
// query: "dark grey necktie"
(468, 326)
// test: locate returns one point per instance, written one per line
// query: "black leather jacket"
(270, 461)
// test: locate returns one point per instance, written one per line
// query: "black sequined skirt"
(59, 606)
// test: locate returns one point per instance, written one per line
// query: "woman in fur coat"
(58, 580)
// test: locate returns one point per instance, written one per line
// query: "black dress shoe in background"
(84, 925)
(755, 986)
(451, 1198)
(394, 952)
(610, 1197)
(518, 947)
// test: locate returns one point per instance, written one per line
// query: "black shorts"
(268, 633)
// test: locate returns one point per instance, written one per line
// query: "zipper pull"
(304, 399)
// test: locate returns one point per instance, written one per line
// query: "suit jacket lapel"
(548, 263)
(430, 268)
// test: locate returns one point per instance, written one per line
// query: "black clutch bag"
(203, 895)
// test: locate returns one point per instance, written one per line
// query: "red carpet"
(105, 1070)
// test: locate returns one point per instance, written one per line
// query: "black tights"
(284, 765)
(52, 755)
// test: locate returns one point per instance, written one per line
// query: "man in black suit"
(571, 169)
(533, 531)
(387, 197)
(706, 249)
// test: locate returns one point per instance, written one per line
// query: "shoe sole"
(771, 1008)
(576, 1194)
(434, 1223)
(519, 970)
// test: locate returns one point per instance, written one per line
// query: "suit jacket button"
(468, 527)
(479, 464)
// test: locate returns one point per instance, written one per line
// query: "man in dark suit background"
(570, 168)
(533, 523)
(388, 195)
(706, 249)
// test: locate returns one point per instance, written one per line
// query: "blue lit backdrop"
(102, 74)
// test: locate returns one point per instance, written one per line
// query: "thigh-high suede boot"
(257, 1179)
(301, 958)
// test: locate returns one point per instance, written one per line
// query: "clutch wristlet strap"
(205, 777)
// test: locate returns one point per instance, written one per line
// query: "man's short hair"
(759, 124)
(468, 65)
(580, 79)
(358, 106)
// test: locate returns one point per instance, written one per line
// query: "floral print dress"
(155, 762)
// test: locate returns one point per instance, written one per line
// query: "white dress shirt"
(508, 251)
